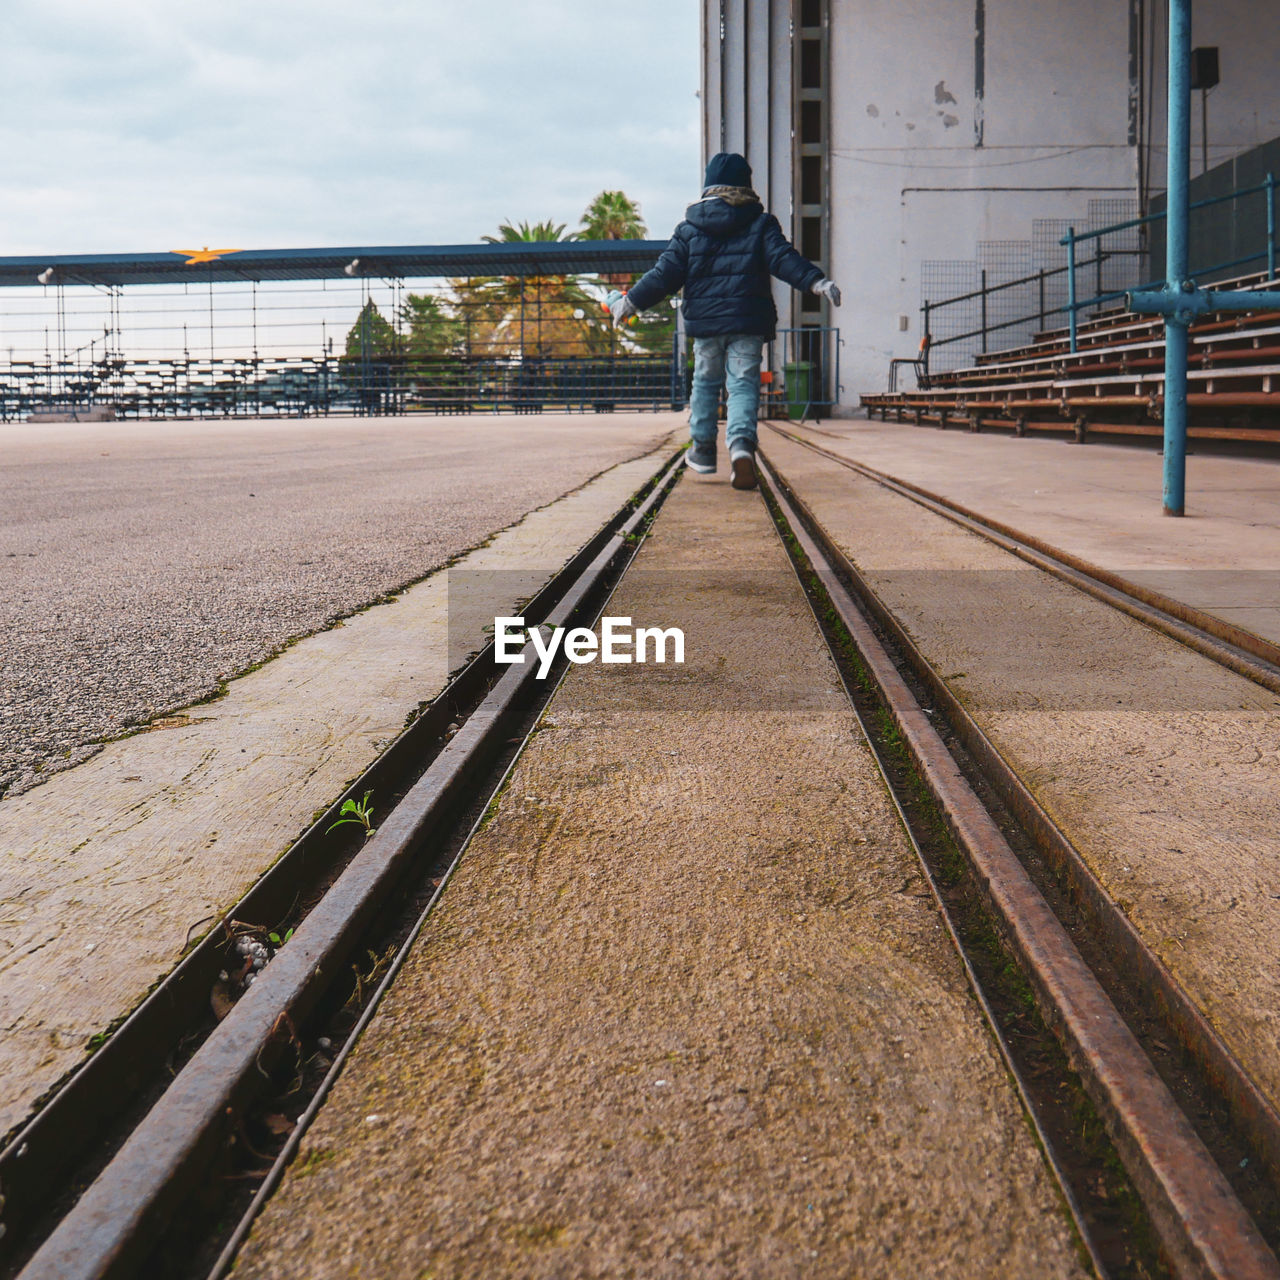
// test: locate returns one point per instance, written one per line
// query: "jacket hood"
(715, 216)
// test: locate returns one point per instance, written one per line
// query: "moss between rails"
(491, 809)
(540, 1233)
(1083, 1148)
(495, 801)
(314, 1160)
(98, 1039)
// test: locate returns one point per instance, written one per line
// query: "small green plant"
(277, 941)
(312, 1161)
(359, 812)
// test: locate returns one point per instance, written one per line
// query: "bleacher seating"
(1112, 382)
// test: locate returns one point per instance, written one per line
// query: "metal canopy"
(521, 258)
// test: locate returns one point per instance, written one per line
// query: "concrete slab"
(687, 1007)
(142, 562)
(108, 869)
(1161, 767)
(1102, 502)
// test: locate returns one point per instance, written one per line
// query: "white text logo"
(618, 641)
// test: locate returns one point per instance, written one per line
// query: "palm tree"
(613, 215)
(535, 315)
(522, 231)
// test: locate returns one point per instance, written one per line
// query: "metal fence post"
(984, 312)
(1271, 226)
(365, 360)
(1176, 323)
(1071, 285)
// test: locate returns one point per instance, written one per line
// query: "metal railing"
(803, 368)
(1267, 253)
(1044, 301)
(302, 386)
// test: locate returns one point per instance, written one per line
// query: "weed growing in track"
(359, 812)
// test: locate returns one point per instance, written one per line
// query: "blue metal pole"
(1175, 323)
(1071, 285)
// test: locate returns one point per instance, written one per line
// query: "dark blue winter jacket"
(723, 254)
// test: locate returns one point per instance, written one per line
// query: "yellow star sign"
(203, 255)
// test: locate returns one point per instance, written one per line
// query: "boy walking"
(723, 254)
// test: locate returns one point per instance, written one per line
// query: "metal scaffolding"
(431, 329)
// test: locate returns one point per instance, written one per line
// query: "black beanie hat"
(728, 169)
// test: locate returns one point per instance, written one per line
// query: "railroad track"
(146, 1208)
(1240, 651)
(113, 1175)
(1199, 1142)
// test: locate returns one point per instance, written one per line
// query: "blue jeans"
(733, 359)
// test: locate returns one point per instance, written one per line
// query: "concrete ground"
(1102, 502)
(687, 1007)
(109, 868)
(144, 562)
(1160, 766)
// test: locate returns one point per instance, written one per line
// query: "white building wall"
(746, 96)
(923, 168)
(941, 138)
(711, 90)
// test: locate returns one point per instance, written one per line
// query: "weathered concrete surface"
(108, 868)
(1162, 767)
(141, 562)
(1102, 502)
(687, 1008)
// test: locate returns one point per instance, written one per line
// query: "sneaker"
(701, 457)
(743, 464)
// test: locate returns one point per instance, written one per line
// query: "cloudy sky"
(136, 125)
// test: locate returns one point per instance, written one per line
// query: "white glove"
(828, 289)
(620, 308)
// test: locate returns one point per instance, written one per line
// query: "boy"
(723, 254)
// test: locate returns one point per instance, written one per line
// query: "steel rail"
(108, 1231)
(1218, 1067)
(1240, 651)
(62, 1133)
(1201, 1223)
(285, 1157)
(975, 984)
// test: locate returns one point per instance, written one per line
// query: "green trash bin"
(798, 375)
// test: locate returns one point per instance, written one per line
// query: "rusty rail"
(110, 1229)
(1204, 1229)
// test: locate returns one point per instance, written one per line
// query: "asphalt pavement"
(146, 562)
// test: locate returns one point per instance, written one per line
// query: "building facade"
(912, 146)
